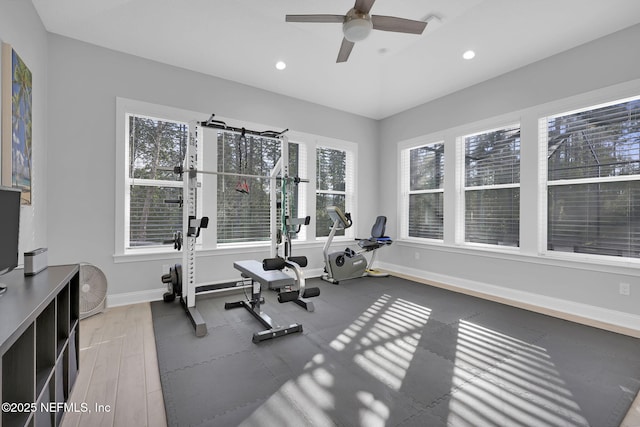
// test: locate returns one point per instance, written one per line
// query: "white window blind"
(331, 186)
(424, 168)
(593, 180)
(155, 146)
(492, 187)
(244, 203)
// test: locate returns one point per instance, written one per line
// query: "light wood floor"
(119, 368)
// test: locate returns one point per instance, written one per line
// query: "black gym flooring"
(391, 352)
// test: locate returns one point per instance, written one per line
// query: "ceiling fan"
(357, 24)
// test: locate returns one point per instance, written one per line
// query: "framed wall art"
(16, 116)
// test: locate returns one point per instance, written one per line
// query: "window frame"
(125, 108)
(463, 188)
(533, 189)
(544, 184)
(406, 192)
(350, 150)
(212, 201)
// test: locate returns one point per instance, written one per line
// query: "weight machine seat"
(271, 279)
(377, 239)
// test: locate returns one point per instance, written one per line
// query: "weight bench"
(254, 270)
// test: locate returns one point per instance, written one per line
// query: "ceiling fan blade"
(315, 18)
(397, 25)
(345, 50)
(364, 5)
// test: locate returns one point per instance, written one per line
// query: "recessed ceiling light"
(280, 65)
(469, 54)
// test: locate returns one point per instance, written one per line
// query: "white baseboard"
(126, 298)
(603, 318)
(314, 272)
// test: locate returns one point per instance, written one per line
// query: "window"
(243, 208)
(492, 187)
(332, 173)
(151, 142)
(423, 185)
(155, 147)
(593, 180)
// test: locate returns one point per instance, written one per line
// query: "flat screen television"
(9, 230)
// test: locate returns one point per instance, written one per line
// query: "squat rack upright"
(192, 225)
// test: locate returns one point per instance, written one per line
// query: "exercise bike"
(350, 264)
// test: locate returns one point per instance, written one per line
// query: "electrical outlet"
(417, 255)
(625, 289)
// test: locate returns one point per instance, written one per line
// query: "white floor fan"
(93, 290)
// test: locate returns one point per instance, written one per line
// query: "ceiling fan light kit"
(357, 24)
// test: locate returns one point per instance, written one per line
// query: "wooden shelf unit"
(39, 336)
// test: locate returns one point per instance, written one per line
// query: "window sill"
(158, 254)
(147, 255)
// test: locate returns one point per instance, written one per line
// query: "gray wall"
(75, 86)
(20, 26)
(612, 60)
(84, 82)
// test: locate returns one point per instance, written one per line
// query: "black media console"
(39, 336)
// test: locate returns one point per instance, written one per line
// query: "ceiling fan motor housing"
(357, 25)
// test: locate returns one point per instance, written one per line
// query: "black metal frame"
(253, 306)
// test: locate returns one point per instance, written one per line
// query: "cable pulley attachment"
(243, 186)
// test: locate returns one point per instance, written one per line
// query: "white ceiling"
(241, 40)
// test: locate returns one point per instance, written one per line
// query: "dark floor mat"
(391, 352)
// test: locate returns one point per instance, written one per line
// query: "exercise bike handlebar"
(336, 215)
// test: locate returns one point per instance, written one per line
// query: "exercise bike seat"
(377, 239)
